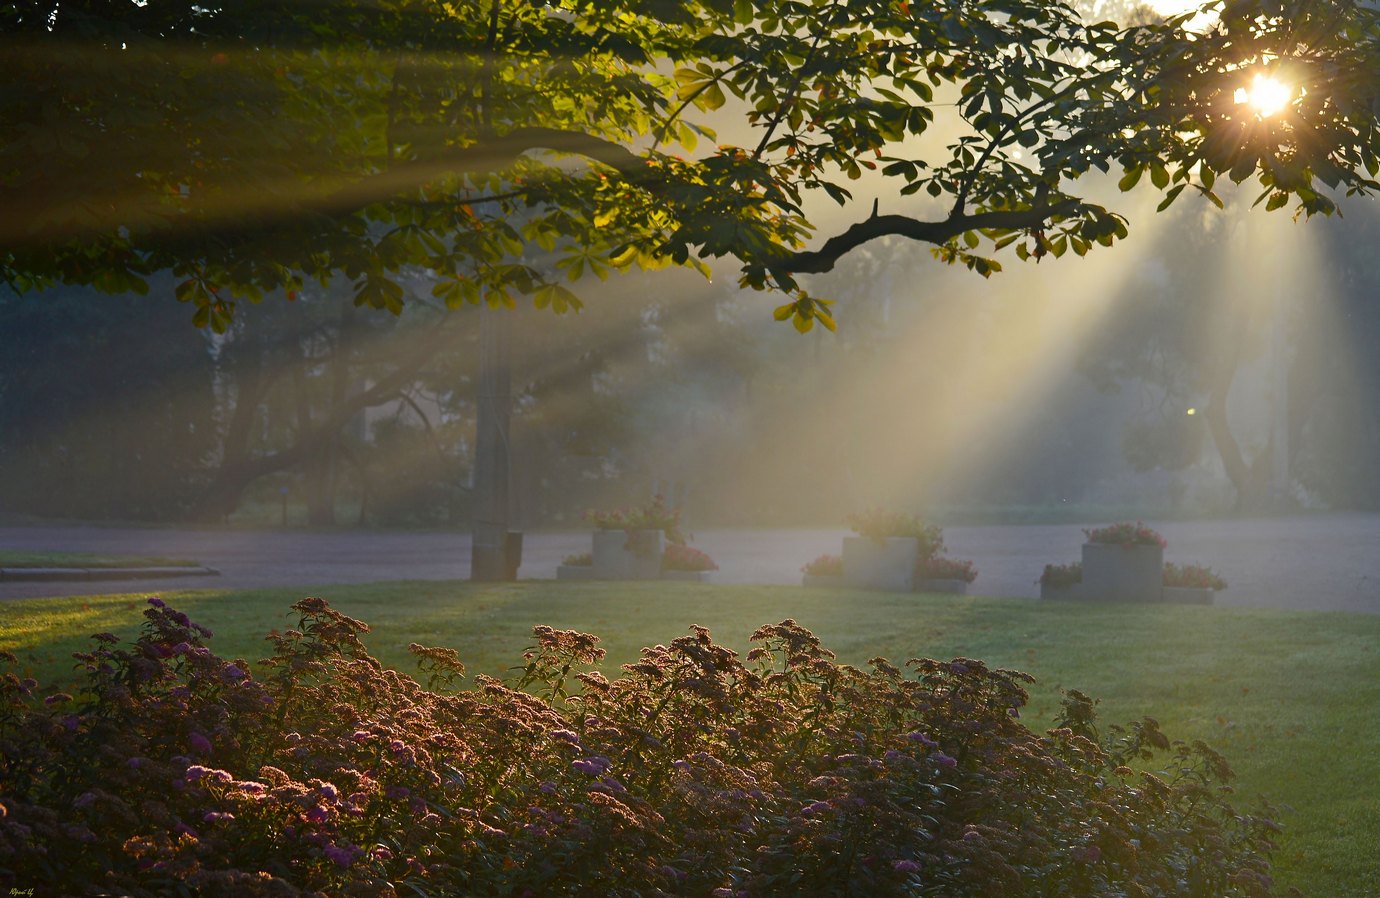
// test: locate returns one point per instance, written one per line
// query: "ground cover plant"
(690, 773)
(1288, 697)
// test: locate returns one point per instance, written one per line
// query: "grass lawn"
(1291, 698)
(13, 558)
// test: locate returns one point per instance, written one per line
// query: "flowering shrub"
(1062, 574)
(692, 773)
(942, 568)
(684, 558)
(1125, 534)
(1192, 576)
(878, 524)
(579, 559)
(825, 566)
(655, 515)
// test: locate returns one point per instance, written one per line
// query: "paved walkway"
(1324, 562)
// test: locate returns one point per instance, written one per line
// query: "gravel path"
(1324, 562)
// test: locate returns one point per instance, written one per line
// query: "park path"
(1317, 562)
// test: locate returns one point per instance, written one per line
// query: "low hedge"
(691, 773)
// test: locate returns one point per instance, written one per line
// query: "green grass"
(17, 558)
(1291, 698)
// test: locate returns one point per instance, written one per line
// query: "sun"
(1266, 95)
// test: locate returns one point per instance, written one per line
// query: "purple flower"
(905, 866)
(943, 760)
(722, 893)
(396, 792)
(922, 738)
(593, 765)
(342, 857)
(183, 829)
(382, 854)
(397, 745)
(329, 792)
(217, 816)
(158, 603)
(233, 672)
(71, 722)
(972, 835)
(813, 808)
(204, 631)
(57, 698)
(612, 785)
(361, 736)
(29, 684)
(181, 619)
(566, 736)
(84, 800)
(181, 648)
(199, 743)
(318, 814)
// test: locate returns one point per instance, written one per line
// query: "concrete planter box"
(834, 581)
(1071, 592)
(624, 555)
(956, 587)
(880, 564)
(1187, 595)
(691, 576)
(576, 572)
(1117, 573)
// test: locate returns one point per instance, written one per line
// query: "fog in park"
(1063, 389)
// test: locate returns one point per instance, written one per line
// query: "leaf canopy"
(502, 148)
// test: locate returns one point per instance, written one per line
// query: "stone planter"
(880, 564)
(1070, 592)
(1117, 573)
(691, 576)
(956, 587)
(1187, 595)
(624, 555)
(576, 572)
(834, 581)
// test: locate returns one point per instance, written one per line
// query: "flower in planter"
(1062, 574)
(942, 568)
(683, 558)
(825, 566)
(1192, 576)
(878, 524)
(579, 559)
(655, 515)
(1125, 534)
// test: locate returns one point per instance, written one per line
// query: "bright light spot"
(1267, 95)
(1193, 411)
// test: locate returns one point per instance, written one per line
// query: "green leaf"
(1130, 179)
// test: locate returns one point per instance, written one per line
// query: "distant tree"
(106, 406)
(505, 147)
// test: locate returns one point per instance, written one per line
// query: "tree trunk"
(492, 456)
(1250, 479)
